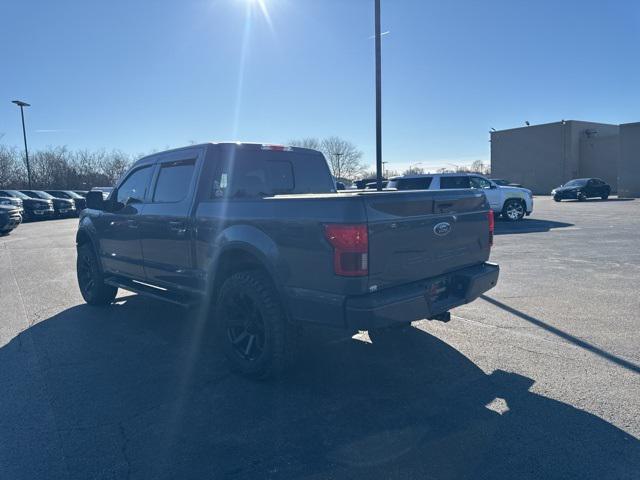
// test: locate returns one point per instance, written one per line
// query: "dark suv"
(62, 206)
(79, 201)
(581, 189)
(34, 208)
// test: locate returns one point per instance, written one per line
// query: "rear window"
(454, 182)
(251, 173)
(422, 183)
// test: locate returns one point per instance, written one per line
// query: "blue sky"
(140, 74)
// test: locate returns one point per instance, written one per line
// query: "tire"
(513, 210)
(605, 197)
(557, 199)
(90, 278)
(581, 197)
(389, 336)
(253, 326)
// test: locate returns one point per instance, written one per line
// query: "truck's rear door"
(415, 235)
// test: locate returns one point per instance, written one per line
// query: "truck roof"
(243, 145)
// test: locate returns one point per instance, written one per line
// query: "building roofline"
(553, 123)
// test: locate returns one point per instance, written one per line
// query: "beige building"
(542, 157)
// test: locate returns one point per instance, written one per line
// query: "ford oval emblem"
(442, 229)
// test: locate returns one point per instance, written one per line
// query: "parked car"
(374, 185)
(62, 206)
(10, 218)
(34, 208)
(16, 202)
(362, 184)
(106, 191)
(513, 203)
(260, 234)
(505, 183)
(78, 200)
(581, 189)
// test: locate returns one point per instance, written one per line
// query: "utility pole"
(378, 97)
(338, 172)
(22, 104)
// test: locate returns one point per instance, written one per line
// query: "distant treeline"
(61, 168)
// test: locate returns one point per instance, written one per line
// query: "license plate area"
(444, 289)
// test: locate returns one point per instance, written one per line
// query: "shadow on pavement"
(599, 200)
(528, 225)
(632, 367)
(135, 391)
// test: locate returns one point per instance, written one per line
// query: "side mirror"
(493, 186)
(95, 200)
(340, 186)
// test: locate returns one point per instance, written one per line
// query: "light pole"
(378, 97)
(338, 169)
(22, 104)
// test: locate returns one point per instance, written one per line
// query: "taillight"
(350, 248)
(492, 226)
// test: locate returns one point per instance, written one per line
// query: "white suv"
(513, 203)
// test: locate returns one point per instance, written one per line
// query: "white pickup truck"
(513, 203)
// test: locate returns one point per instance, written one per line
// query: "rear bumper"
(417, 300)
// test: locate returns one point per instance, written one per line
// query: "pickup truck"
(257, 237)
(513, 203)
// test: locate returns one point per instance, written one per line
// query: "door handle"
(179, 227)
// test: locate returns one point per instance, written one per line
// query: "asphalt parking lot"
(539, 379)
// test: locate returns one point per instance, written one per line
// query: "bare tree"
(479, 166)
(343, 157)
(413, 171)
(308, 142)
(9, 166)
(115, 165)
(345, 160)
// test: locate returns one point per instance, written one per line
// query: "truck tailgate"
(415, 235)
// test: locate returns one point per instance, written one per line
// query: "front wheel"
(605, 196)
(253, 326)
(557, 199)
(90, 278)
(581, 197)
(513, 210)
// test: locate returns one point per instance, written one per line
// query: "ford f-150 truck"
(258, 236)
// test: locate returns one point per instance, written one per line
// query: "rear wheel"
(90, 278)
(605, 196)
(253, 325)
(513, 210)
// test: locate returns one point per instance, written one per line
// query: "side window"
(479, 182)
(173, 181)
(447, 183)
(422, 183)
(135, 186)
